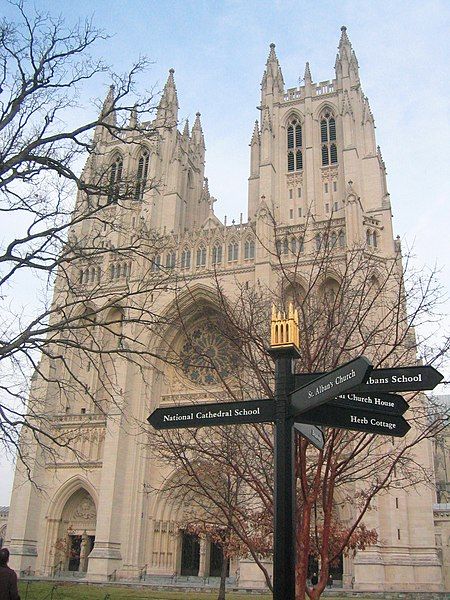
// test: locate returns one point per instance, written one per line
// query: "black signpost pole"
(284, 492)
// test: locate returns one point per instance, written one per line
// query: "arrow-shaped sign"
(356, 419)
(331, 384)
(312, 433)
(221, 413)
(388, 404)
(403, 379)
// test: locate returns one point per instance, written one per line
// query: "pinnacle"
(344, 41)
(307, 73)
(197, 124)
(255, 135)
(272, 55)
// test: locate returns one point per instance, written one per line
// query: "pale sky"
(218, 51)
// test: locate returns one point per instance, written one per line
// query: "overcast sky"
(219, 49)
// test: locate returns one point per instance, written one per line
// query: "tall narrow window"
(328, 139)
(249, 249)
(170, 260)
(156, 264)
(115, 177)
(186, 259)
(201, 256)
(233, 251)
(217, 254)
(141, 175)
(294, 146)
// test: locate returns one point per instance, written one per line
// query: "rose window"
(207, 357)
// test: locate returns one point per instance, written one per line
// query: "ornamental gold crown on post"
(284, 332)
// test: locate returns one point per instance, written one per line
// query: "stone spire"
(346, 62)
(308, 81)
(272, 83)
(108, 114)
(107, 117)
(197, 132)
(168, 106)
(132, 123)
(186, 129)
(256, 138)
(307, 76)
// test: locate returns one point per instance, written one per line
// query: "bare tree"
(351, 301)
(71, 255)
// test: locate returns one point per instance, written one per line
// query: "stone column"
(106, 555)
(83, 552)
(202, 569)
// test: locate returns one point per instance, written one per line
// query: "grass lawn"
(43, 591)
(68, 591)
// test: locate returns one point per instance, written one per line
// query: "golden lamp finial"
(284, 332)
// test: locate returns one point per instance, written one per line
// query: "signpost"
(403, 379)
(314, 434)
(391, 404)
(357, 420)
(352, 397)
(222, 413)
(329, 385)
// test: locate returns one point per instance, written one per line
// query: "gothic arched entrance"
(76, 533)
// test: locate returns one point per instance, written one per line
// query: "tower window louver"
(328, 137)
(115, 177)
(141, 176)
(294, 145)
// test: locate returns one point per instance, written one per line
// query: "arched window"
(201, 256)
(156, 264)
(375, 239)
(186, 259)
(341, 239)
(170, 260)
(115, 177)
(328, 139)
(294, 146)
(217, 254)
(249, 249)
(318, 241)
(301, 245)
(233, 251)
(141, 175)
(294, 245)
(285, 246)
(333, 239)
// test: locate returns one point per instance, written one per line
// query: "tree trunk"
(223, 577)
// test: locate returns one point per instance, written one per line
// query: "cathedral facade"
(313, 159)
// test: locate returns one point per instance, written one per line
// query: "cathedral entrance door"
(216, 561)
(74, 552)
(190, 554)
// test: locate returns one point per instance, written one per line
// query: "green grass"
(69, 591)
(37, 590)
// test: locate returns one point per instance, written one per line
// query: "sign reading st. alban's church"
(317, 180)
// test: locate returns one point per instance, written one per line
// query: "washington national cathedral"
(99, 507)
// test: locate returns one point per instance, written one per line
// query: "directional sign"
(356, 419)
(388, 404)
(331, 384)
(312, 433)
(403, 379)
(222, 413)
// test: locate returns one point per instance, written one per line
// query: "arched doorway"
(201, 556)
(76, 533)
